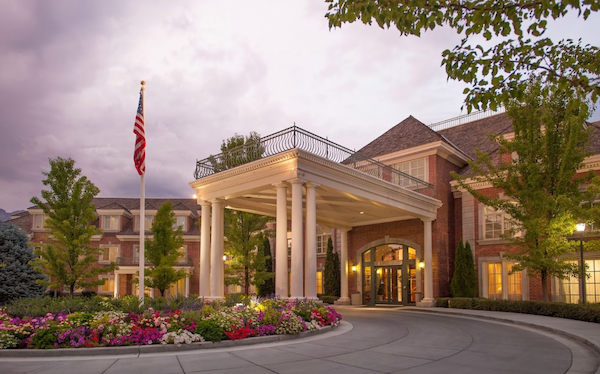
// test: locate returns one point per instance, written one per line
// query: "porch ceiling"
(346, 197)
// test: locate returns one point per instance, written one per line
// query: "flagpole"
(142, 260)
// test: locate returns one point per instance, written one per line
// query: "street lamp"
(581, 229)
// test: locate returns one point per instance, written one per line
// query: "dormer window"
(180, 221)
(111, 223)
(147, 223)
(38, 221)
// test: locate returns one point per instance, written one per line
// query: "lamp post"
(581, 229)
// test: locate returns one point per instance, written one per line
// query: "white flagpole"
(142, 216)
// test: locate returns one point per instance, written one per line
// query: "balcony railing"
(297, 138)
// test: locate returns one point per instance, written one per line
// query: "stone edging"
(139, 350)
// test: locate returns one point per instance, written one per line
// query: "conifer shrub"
(464, 280)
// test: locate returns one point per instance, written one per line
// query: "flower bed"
(210, 322)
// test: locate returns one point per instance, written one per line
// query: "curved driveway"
(374, 341)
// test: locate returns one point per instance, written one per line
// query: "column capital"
(205, 203)
(281, 184)
(216, 201)
(427, 219)
(312, 184)
(296, 181)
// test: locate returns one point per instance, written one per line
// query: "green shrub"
(464, 280)
(461, 303)
(45, 339)
(442, 302)
(328, 299)
(210, 330)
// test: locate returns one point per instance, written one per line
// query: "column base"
(213, 298)
(426, 303)
(296, 297)
(342, 301)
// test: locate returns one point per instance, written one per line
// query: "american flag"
(139, 153)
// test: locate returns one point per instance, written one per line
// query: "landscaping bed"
(105, 322)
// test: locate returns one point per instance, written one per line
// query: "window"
(415, 168)
(147, 291)
(319, 282)
(182, 254)
(499, 283)
(109, 284)
(180, 221)
(569, 287)
(496, 223)
(147, 223)
(177, 288)
(109, 253)
(111, 223)
(38, 221)
(234, 288)
(322, 241)
(136, 254)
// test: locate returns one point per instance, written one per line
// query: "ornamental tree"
(17, 277)
(67, 259)
(464, 280)
(246, 234)
(541, 190)
(268, 287)
(163, 250)
(331, 272)
(515, 47)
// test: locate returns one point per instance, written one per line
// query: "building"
(391, 209)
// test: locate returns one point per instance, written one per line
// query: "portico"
(308, 185)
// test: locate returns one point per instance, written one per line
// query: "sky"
(70, 75)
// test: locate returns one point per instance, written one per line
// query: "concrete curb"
(139, 350)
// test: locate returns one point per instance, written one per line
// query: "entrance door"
(389, 275)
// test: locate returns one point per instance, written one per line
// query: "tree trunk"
(545, 294)
(246, 281)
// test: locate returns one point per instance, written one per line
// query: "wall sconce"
(421, 264)
(353, 267)
(224, 257)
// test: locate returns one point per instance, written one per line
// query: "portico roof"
(346, 196)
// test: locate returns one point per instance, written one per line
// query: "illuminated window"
(319, 282)
(109, 253)
(495, 281)
(111, 223)
(515, 284)
(136, 290)
(177, 288)
(569, 287)
(109, 284)
(147, 223)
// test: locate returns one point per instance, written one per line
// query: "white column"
(310, 254)
(116, 286)
(216, 252)
(297, 284)
(205, 249)
(428, 295)
(344, 299)
(281, 255)
(186, 290)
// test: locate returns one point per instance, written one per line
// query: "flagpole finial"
(143, 83)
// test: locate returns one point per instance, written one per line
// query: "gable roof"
(407, 134)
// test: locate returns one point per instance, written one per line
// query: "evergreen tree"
(542, 194)
(331, 276)
(163, 251)
(68, 260)
(17, 276)
(267, 288)
(464, 280)
(245, 233)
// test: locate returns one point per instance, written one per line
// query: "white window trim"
(102, 246)
(185, 223)
(108, 278)
(102, 223)
(483, 277)
(136, 222)
(425, 159)
(481, 223)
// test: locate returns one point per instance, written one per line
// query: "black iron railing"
(295, 137)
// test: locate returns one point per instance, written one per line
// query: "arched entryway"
(389, 275)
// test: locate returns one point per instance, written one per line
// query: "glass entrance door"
(389, 284)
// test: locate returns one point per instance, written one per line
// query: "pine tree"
(332, 276)
(464, 280)
(268, 287)
(68, 260)
(163, 251)
(17, 276)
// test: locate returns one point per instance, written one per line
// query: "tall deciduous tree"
(542, 192)
(464, 280)
(164, 250)
(68, 260)
(245, 233)
(514, 49)
(331, 272)
(17, 276)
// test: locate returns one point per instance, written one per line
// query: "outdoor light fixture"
(581, 229)
(353, 268)
(421, 264)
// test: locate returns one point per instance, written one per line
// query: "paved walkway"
(374, 340)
